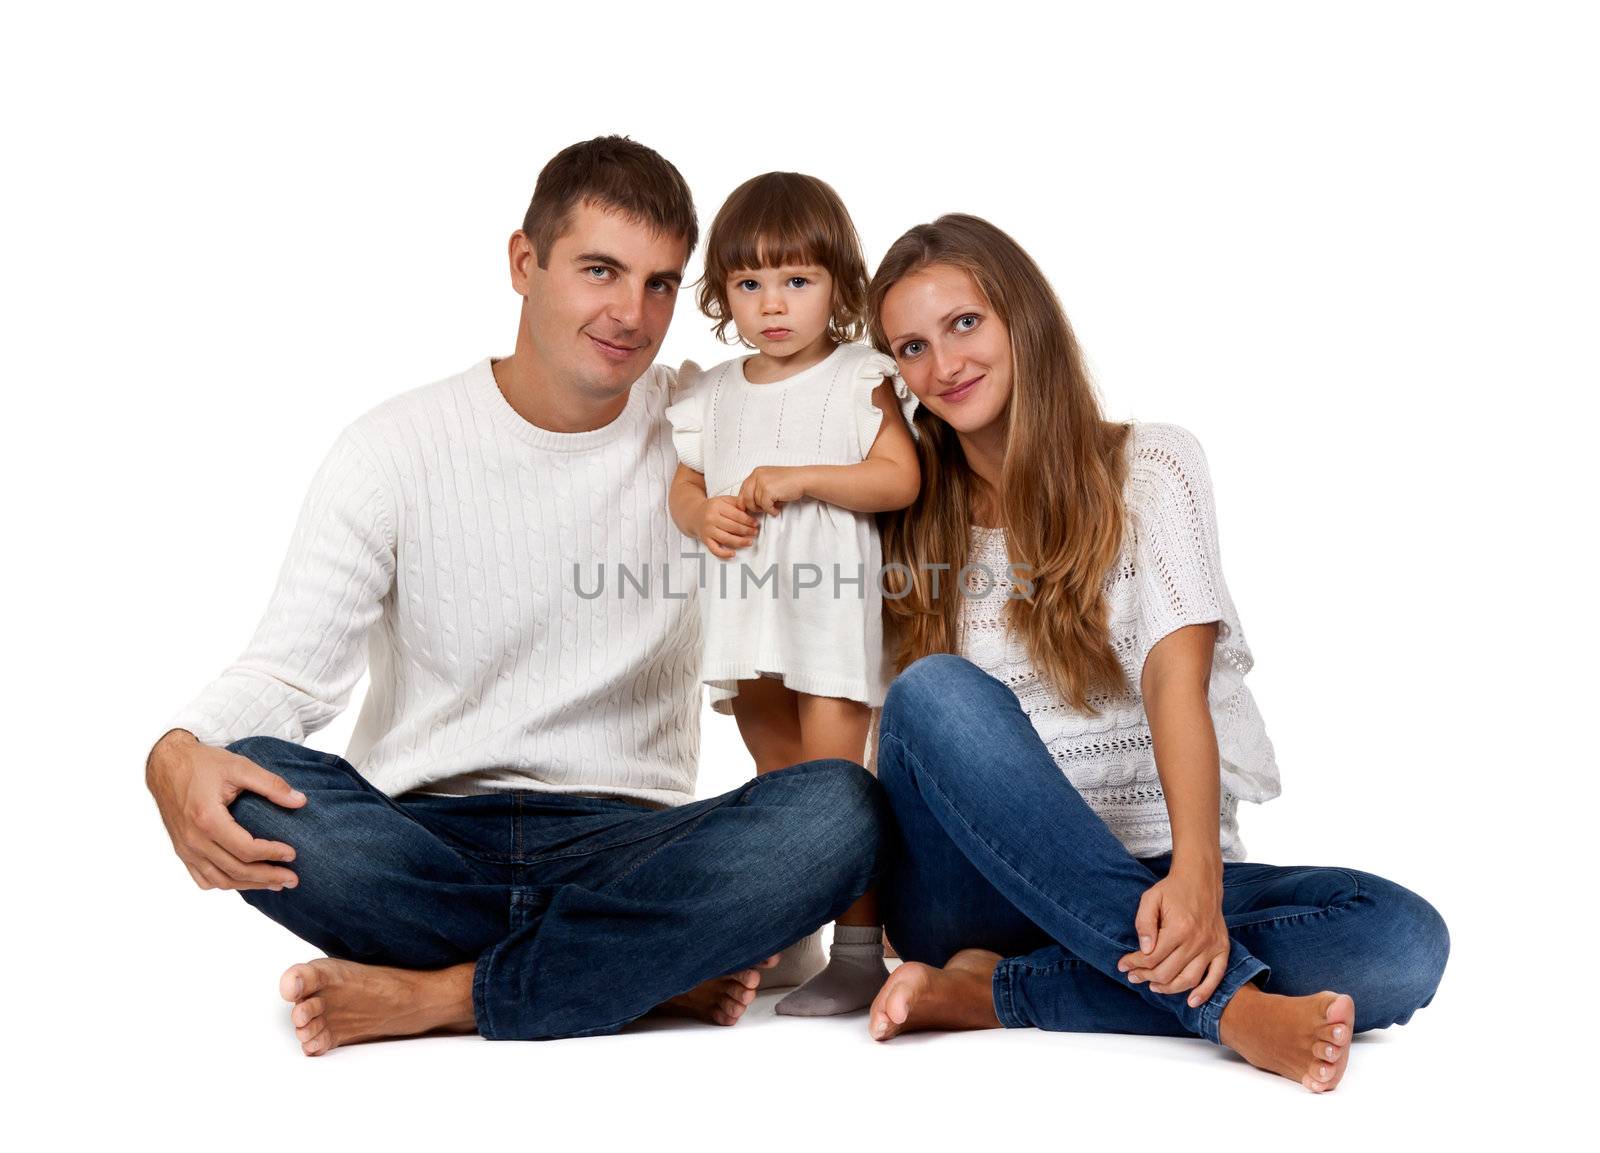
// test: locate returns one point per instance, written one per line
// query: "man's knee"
(309, 771)
(846, 819)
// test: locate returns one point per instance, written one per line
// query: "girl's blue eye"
(748, 285)
(798, 281)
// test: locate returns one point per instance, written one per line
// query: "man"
(513, 845)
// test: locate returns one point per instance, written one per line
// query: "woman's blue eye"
(911, 348)
(972, 316)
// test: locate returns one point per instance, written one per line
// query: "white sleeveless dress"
(803, 603)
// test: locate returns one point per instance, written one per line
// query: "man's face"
(598, 311)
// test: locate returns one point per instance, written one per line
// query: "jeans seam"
(1335, 907)
(1211, 1011)
(480, 995)
(1000, 989)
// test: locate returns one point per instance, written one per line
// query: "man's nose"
(627, 308)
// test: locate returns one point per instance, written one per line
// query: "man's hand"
(193, 785)
(768, 488)
(723, 526)
(1183, 940)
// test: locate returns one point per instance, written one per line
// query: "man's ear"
(523, 261)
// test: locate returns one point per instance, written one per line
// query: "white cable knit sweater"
(438, 541)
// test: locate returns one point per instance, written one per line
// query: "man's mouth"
(613, 351)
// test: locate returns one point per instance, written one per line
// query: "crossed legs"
(619, 910)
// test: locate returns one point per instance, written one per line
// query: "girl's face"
(951, 347)
(781, 311)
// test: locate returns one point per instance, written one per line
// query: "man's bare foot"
(342, 1002)
(1306, 1039)
(918, 996)
(721, 1000)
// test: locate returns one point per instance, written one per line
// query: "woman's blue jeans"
(581, 913)
(1000, 852)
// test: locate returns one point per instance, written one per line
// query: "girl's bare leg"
(831, 727)
(769, 721)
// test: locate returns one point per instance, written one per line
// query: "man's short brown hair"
(609, 172)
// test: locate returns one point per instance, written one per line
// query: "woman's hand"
(770, 487)
(723, 526)
(1183, 940)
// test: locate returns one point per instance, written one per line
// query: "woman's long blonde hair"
(1060, 498)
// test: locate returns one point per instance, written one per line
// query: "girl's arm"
(1183, 940)
(720, 524)
(889, 478)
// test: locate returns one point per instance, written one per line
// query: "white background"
(1352, 247)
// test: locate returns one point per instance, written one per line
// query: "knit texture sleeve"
(309, 649)
(686, 414)
(871, 372)
(1175, 553)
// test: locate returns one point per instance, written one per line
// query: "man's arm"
(297, 673)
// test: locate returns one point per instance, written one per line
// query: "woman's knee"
(931, 684)
(1411, 948)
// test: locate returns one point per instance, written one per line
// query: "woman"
(1071, 855)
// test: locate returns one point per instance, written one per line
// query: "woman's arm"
(1183, 940)
(1174, 684)
(889, 478)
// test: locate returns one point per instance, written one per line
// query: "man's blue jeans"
(1001, 853)
(582, 914)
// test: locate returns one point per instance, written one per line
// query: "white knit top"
(1169, 575)
(456, 547)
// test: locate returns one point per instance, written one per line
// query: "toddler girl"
(785, 455)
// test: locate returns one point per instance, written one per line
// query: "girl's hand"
(770, 487)
(722, 526)
(1183, 940)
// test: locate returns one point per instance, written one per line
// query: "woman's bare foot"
(1306, 1039)
(918, 996)
(721, 1000)
(342, 1002)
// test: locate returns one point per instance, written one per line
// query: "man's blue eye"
(600, 268)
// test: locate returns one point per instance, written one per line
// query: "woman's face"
(952, 348)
